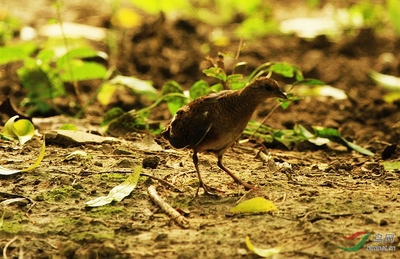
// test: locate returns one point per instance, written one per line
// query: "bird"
(214, 122)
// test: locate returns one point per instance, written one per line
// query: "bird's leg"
(237, 179)
(207, 189)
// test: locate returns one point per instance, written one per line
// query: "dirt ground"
(329, 193)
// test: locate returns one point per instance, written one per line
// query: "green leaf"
(137, 85)
(77, 53)
(78, 70)
(256, 27)
(215, 72)
(217, 88)
(334, 135)
(326, 132)
(358, 148)
(254, 205)
(118, 192)
(45, 56)
(18, 52)
(319, 141)
(68, 126)
(112, 114)
(174, 106)
(260, 251)
(286, 102)
(235, 81)
(199, 89)
(393, 7)
(173, 102)
(309, 82)
(41, 81)
(391, 165)
(287, 70)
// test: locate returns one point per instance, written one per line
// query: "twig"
(163, 181)
(175, 177)
(179, 219)
(283, 199)
(239, 49)
(21, 250)
(265, 118)
(6, 247)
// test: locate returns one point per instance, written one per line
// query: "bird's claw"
(208, 190)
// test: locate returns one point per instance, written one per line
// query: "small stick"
(179, 219)
(163, 181)
(6, 247)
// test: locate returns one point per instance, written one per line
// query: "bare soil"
(330, 192)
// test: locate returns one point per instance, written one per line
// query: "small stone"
(39, 197)
(125, 163)
(383, 222)
(161, 236)
(369, 221)
(151, 162)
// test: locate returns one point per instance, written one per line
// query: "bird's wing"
(189, 127)
(192, 122)
(211, 98)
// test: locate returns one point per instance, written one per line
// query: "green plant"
(256, 14)
(8, 27)
(45, 70)
(360, 15)
(393, 7)
(43, 75)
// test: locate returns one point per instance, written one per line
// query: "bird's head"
(267, 87)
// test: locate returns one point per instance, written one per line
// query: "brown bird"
(214, 122)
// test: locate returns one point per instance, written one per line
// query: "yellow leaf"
(68, 126)
(257, 204)
(7, 130)
(106, 93)
(6, 171)
(24, 130)
(126, 18)
(260, 251)
(41, 155)
(391, 165)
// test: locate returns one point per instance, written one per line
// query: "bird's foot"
(208, 190)
(246, 186)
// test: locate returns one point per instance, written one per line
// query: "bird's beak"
(281, 94)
